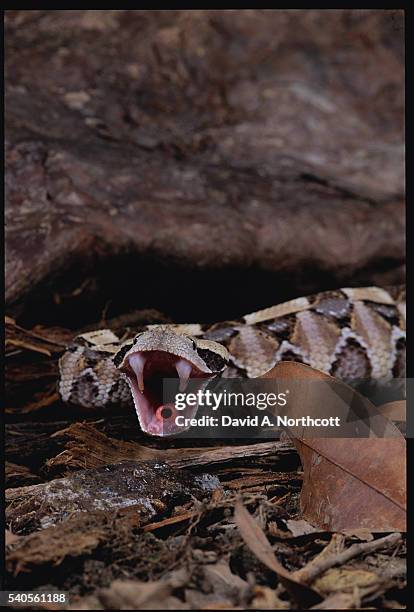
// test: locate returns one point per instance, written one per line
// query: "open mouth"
(146, 372)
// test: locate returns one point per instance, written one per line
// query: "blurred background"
(201, 163)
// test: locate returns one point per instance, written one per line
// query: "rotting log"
(200, 159)
(53, 449)
(150, 487)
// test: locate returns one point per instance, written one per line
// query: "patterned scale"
(349, 333)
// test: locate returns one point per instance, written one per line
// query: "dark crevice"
(85, 293)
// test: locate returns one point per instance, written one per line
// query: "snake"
(349, 333)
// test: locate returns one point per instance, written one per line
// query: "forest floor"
(120, 520)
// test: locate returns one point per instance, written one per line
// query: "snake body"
(348, 333)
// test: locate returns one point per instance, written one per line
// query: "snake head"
(162, 353)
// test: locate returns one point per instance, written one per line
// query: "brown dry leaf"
(198, 600)
(339, 601)
(345, 579)
(396, 411)
(256, 540)
(50, 546)
(365, 535)
(128, 594)
(223, 582)
(131, 595)
(299, 527)
(10, 538)
(224, 605)
(219, 588)
(349, 483)
(266, 599)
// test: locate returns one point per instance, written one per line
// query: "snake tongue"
(137, 363)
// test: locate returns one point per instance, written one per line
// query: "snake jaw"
(145, 372)
(162, 353)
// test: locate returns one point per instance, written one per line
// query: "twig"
(308, 573)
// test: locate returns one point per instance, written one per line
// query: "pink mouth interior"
(146, 371)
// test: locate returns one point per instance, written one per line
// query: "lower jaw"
(154, 423)
(163, 427)
(151, 419)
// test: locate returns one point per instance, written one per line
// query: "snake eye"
(193, 342)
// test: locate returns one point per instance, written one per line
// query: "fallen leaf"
(365, 535)
(266, 599)
(299, 527)
(344, 579)
(52, 545)
(198, 600)
(317, 395)
(10, 538)
(256, 540)
(349, 483)
(220, 580)
(353, 484)
(338, 601)
(335, 554)
(124, 594)
(224, 605)
(396, 411)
